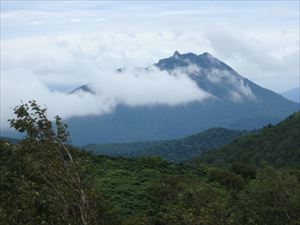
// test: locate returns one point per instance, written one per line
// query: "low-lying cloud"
(132, 88)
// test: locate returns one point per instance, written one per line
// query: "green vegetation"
(277, 145)
(41, 183)
(177, 150)
(120, 149)
(43, 180)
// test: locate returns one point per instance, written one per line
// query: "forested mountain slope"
(177, 150)
(277, 145)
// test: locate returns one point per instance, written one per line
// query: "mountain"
(277, 145)
(293, 94)
(10, 140)
(177, 150)
(238, 104)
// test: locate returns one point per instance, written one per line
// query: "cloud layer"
(132, 87)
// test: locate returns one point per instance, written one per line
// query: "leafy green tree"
(197, 205)
(41, 182)
(180, 201)
(225, 178)
(272, 198)
(245, 170)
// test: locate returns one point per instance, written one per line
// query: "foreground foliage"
(40, 181)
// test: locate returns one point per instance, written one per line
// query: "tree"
(41, 182)
(272, 198)
(178, 201)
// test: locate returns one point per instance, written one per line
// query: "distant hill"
(177, 150)
(11, 140)
(120, 149)
(277, 145)
(293, 94)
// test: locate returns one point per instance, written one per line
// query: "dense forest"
(44, 180)
(177, 150)
(277, 145)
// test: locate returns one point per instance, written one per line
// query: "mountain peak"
(206, 54)
(83, 89)
(176, 54)
(191, 55)
(204, 60)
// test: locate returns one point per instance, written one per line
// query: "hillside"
(10, 140)
(277, 145)
(146, 191)
(46, 181)
(177, 150)
(120, 149)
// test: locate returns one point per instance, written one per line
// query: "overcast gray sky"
(58, 45)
